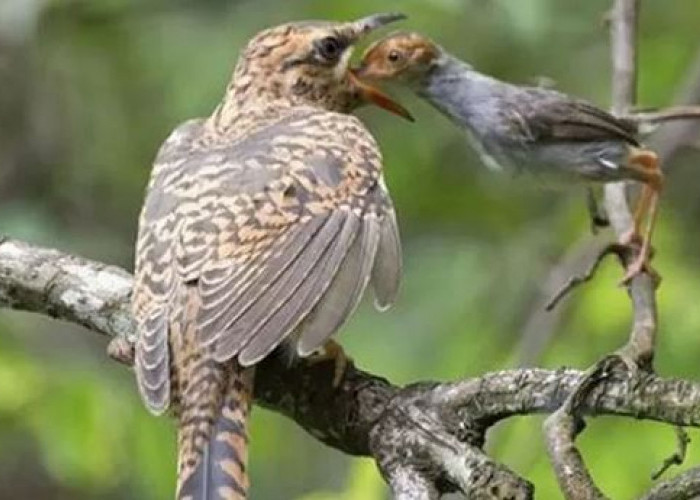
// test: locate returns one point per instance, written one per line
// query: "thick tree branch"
(426, 437)
(685, 486)
(66, 287)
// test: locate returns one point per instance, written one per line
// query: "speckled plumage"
(262, 224)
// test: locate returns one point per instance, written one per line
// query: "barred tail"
(213, 439)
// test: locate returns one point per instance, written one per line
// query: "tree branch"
(666, 115)
(561, 428)
(685, 486)
(427, 438)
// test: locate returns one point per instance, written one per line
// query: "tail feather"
(213, 445)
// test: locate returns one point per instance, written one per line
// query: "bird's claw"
(630, 238)
(640, 265)
(332, 351)
(121, 350)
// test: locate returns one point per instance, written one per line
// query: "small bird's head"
(405, 57)
(307, 63)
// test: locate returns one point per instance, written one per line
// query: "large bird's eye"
(394, 56)
(330, 48)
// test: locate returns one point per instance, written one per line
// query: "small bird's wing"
(312, 204)
(546, 116)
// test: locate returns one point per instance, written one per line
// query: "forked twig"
(577, 280)
(678, 456)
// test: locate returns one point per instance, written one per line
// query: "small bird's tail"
(213, 438)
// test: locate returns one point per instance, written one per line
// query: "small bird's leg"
(642, 207)
(646, 165)
(641, 262)
(332, 351)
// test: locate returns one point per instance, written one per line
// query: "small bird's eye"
(394, 56)
(330, 48)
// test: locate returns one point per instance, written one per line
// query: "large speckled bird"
(262, 225)
(554, 137)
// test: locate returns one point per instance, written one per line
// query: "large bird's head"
(307, 63)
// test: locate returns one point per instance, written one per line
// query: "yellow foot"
(121, 350)
(639, 266)
(332, 351)
(630, 238)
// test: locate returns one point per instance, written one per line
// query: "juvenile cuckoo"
(262, 225)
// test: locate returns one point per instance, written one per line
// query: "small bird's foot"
(640, 265)
(630, 238)
(332, 351)
(121, 350)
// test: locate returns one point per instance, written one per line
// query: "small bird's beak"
(374, 96)
(354, 31)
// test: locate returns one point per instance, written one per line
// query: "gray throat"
(457, 90)
(470, 100)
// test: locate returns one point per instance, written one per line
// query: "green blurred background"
(89, 89)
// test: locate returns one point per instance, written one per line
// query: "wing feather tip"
(304, 351)
(156, 402)
(382, 305)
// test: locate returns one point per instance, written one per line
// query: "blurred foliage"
(89, 88)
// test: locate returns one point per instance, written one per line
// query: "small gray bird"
(524, 129)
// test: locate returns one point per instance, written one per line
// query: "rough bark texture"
(426, 437)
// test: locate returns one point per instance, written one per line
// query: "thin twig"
(665, 115)
(678, 456)
(541, 326)
(624, 54)
(577, 280)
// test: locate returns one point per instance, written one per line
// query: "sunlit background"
(90, 88)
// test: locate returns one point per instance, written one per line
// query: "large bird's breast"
(265, 226)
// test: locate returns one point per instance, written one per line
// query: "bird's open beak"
(356, 30)
(374, 96)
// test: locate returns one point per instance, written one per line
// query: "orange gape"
(262, 224)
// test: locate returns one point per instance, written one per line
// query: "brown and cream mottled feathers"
(262, 224)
